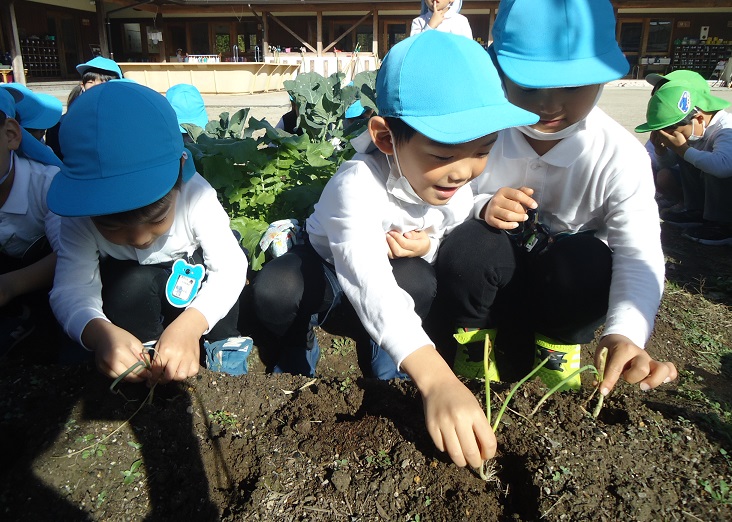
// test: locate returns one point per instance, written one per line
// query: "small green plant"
(563, 471)
(342, 346)
(381, 459)
(93, 450)
(721, 492)
(101, 497)
(224, 418)
(345, 385)
(132, 474)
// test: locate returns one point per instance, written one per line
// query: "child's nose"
(138, 236)
(550, 102)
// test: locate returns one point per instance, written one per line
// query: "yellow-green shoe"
(469, 357)
(564, 359)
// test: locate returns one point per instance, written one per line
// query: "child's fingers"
(454, 448)
(660, 372)
(469, 447)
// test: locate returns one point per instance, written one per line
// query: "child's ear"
(12, 133)
(380, 135)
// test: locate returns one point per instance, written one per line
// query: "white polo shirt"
(24, 217)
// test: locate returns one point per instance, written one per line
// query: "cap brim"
(646, 127)
(74, 197)
(654, 78)
(465, 126)
(711, 103)
(571, 73)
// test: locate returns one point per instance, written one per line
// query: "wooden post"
(265, 34)
(375, 36)
(9, 15)
(319, 35)
(102, 29)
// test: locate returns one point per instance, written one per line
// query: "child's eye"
(442, 158)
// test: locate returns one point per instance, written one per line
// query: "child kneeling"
(146, 253)
(375, 232)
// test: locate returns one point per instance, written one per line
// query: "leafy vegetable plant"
(263, 174)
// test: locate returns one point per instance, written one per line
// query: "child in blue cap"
(37, 111)
(442, 15)
(98, 70)
(575, 194)
(376, 229)
(28, 230)
(189, 107)
(146, 254)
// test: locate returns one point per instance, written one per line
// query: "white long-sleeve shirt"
(598, 179)
(200, 222)
(359, 205)
(455, 24)
(24, 217)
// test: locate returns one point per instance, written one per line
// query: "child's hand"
(455, 420)
(415, 243)
(632, 363)
(507, 207)
(439, 10)
(177, 352)
(674, 140)
(116, 349)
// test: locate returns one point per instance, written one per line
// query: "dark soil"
(342, 447)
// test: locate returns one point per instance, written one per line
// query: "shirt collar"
(563, 154)
(17, 202)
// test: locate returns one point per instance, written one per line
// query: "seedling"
(342, 346)
(488, 471)
(131, 475)
(224, 418)
(381, 459)
(722, 493)
(345, 385)
(94, 450)
(139, 366)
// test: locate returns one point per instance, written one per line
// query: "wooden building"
(50, 37)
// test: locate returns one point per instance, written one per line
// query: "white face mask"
(564, 133)
(397, 184)
(693, 137)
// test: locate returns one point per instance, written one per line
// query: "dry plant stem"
(562, 383)
(487, 348)
(513, 391)
(600, 378)
(138, 366)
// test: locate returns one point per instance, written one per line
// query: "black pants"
(134, 299)
(484, 281)
(291, 288)
(37, 300)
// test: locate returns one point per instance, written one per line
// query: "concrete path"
(624, 100)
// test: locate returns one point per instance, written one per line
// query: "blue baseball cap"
(544, 44)
(10, 96)
(122, 149)
(8, 99)
(101, 63)
(355, 110)
(471, 102)
(188, 105)
(36, 110)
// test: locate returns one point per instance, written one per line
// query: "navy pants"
(299, 290)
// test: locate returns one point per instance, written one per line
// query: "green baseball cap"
(675, 101)
(691, 78)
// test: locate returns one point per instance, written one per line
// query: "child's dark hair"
(687, 119)
(401, 131)
(3, 117)
(92, 75)
(143, 214)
